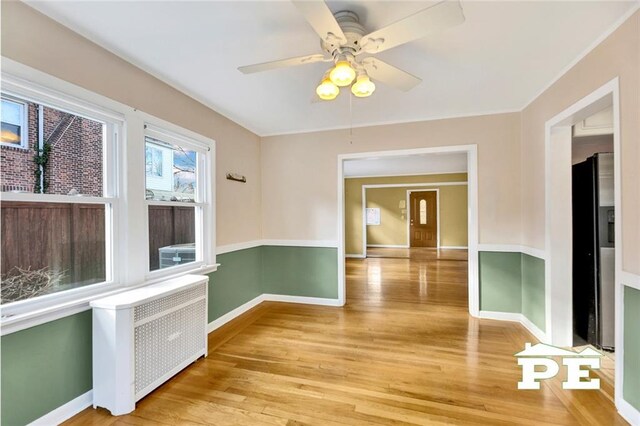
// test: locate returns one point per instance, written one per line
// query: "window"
(423, 212)
(175, 197)
(14, 123)
(58, 200)
(80, 209)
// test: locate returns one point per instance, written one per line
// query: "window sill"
(47, 314)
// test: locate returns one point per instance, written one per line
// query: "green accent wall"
(631, 381)
(533, 290)
(513, 282)
(44, 367)
(237, 280)
(500, 281)
(300, 271)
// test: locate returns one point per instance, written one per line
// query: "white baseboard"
(387, 245)
(66, 411)
(355, 256)
(516, 317)
(219, 322)
(301, 299)
(454, 247)
(533, 329)
(628, 411)
(500, 316)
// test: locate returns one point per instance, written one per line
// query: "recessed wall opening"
(407, 223)
(582, 227)
(593, 227)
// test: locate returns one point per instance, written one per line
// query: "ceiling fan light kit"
(343, 39)
(342, 74)
(327, 90)
(363, 86)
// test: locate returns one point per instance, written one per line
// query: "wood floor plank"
(403, 350)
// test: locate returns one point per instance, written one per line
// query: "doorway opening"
(582, 197)
(397, 197)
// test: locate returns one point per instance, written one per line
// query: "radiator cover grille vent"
(162, 344)
(166, 303)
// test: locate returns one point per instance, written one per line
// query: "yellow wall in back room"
(453, 231)
(393, 224)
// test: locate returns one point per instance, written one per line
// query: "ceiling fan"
(345, 42)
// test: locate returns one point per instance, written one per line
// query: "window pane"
(69, 155)
(170, 172)
(423, 212)
(12, 116)
(50, 247)
(11, 112)
(11, 133)
(172, 236)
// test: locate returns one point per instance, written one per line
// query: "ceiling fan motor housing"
(350, 24)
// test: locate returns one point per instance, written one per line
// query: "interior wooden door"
(423, 225)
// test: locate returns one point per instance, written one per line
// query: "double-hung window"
(85, 188)
(178, 201)
(15, 123)
(59, 196)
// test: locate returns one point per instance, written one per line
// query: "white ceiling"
(503, 56)
(407, 165)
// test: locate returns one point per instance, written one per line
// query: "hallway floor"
(402, 351)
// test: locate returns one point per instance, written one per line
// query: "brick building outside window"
(75, 163)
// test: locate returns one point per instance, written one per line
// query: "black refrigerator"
(593, 252)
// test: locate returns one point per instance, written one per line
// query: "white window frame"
(24, 136)
(129, 215)
(203, 204)
(113, 127)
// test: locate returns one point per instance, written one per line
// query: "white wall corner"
(302, 299)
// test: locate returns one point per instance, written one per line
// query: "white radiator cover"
(143, 337)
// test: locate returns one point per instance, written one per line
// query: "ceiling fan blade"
(437, 17)
(390, 75)
(291, 62)
(321, 19)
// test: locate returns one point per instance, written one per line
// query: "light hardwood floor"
(402, 351)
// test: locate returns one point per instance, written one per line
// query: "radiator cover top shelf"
(143, 337)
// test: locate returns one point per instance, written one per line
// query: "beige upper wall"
(300, 173)
(393, 230)
(617, 56)
(35, 40)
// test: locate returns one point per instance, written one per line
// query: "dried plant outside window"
(24, 283)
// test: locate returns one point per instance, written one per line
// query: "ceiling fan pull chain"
(350, 119)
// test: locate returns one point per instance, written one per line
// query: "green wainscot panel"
(500, 281)
(533, 290)
(237, 281)
(300, 271)
(44, 367)
(631, 383)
